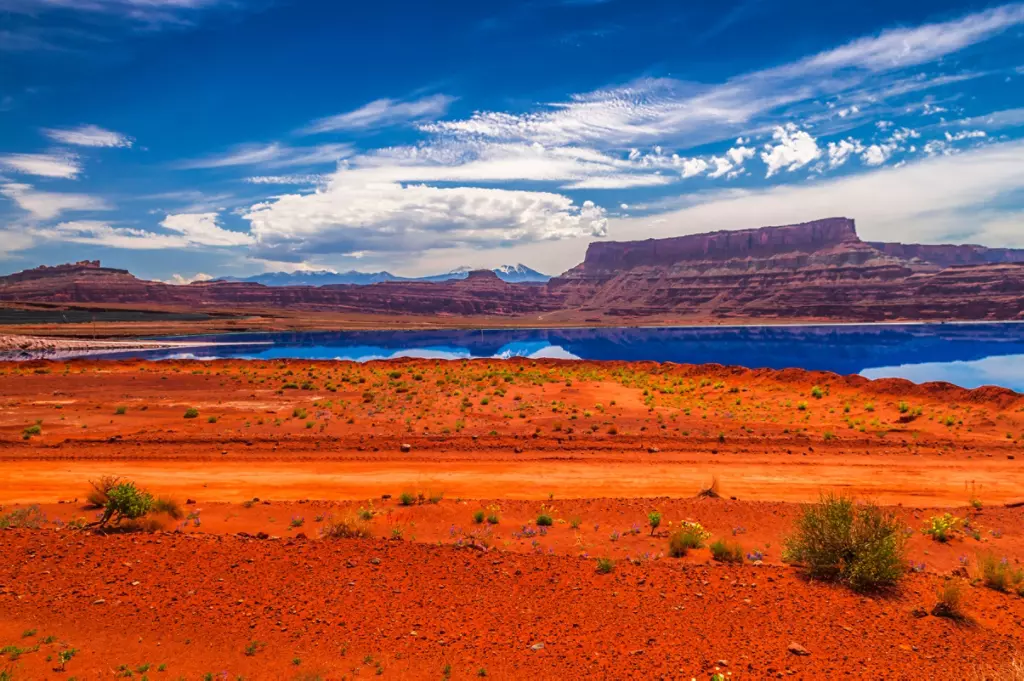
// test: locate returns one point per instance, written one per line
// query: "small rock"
(722, 663)
(406, 448)
(99, 601)
(653, 450)
(919, 612)
(375, 561)
(537, 646)
(190, 502)
(797, 649)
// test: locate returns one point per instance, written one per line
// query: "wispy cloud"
(43, 165)
(668, 111)
(274, 155)
(48, 205)
(88, 136)
(383, 113)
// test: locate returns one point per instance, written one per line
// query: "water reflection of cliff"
(847, 349)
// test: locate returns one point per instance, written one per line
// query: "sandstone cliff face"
(818, 269)
(947, 255)
(815, 270)
(481, 293)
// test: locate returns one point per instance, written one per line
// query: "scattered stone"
(406, 447)
(798, 650)
(99, 601)
(190, 502)
(653, 450)
(537, 646)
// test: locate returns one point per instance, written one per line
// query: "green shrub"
(406, 498)
(120, 411)
(654, 520)
(605, 565)
(688, 536)
(996, 573)
(841, 540)
(30, 518)
(125, 501)
(97, 496)
(493, 519)
(544, 520)
(191, 413)
(724, 552)
(478, 516)
(34, 429)
(941, 528)
(817, 393)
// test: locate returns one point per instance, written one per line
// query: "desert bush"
(817, 393)
(34, 429)
(841, 540)
(169, 506)
(941, 528)
(950, 600)
(191, 413)
(478, 517)
(349, 527)
(97, 496)
(688, 536)
(125, 501)
(493, 519)
(544, 520)
(725, 552)
(712, 490)
(997, 573)
(654, 520)
(121, 411)
(605, 565)
(30, 518)
(406, 498)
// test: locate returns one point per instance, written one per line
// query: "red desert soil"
(595, 445)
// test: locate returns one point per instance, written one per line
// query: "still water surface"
(969, 355)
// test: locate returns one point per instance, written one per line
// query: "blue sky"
(190, 138)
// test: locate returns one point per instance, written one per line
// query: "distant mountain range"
(511, 273)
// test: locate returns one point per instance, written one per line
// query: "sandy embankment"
(37, 347)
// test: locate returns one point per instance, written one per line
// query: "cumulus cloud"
(273, 155)
(965, 135)
(383, 113)
(88, 136)
(43, 165)
(839, 152)
(348, 217)
(693, 167)
(183, 280)
(795, 149)
(48, 205)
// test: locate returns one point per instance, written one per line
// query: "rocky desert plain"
(512, 518)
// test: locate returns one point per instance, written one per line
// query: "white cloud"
(44, 165)
(382, 113)
(274, 155)
(88, 136)
(693, 167)
(48, 205)
(668, 111)
(202, 229)
(349, 216)
(929, 109)
(795, 149)
(877, 154)
(180, 280)
(932, 200)
(840, 152)
(285, 179)
(965, 135)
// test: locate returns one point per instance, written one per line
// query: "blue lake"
(969, 355)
